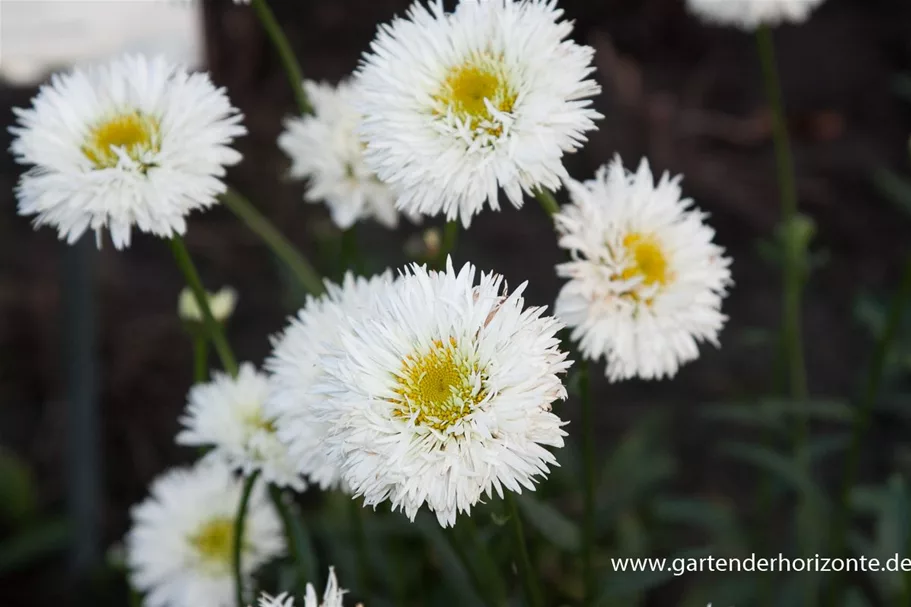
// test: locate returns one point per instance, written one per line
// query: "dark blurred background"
(682, 94)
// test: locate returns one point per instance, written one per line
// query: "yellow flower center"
(214, 542)
(467, 88)
(439, 387)
(648, 261)
(133, 132)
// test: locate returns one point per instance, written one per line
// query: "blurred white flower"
(457, 105)
(442, 392)
(221, 304)
(179, 549)
(646, 281)
(134, 143)
(228, 414)
(332, 597)
(750, 14)
(297, 364)
(325, 150)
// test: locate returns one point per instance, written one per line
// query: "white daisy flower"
(332, 597)
(325, 150)
(297, 364)
(458, 105)
(228, 414)
(221, 304)
(443, 392)
(134, 143)
(646, 281)
(750, 14)
(179, 550)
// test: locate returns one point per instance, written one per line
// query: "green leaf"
(550, 523)
(770, 461)
(33, 543)
(629, 583)
(711, 516)
(451, 566)
(17, 490)
(824, 446)
(895, 188)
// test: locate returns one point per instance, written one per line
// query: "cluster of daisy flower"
(422, 387)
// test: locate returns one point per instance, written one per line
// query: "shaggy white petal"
(228, 414)
(179, 547)
(134, 143)
(297, 364)
(442, 393)
(459, 105)
(332, 597)
(750, 14)
(325, 150)
(646, 281)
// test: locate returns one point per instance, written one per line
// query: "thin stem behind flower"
(285, 53)
(200, 359)
(213, 328)
(283, 249)
(548, 201)
(239, 537)
(526, 573)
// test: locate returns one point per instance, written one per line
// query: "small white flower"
(229, 414)
(646, 281)
(332, 597)
(457, 105)
(134, 143)
(442, 392)
(750, 14)
(179, 550)
(297, 364)
(221, 304)
(325, 150)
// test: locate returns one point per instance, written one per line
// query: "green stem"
(450, 238)
(280, 245)
(588, 450)
(862, 416)
(291, 531)
(213, 328)
(477, 560)
(239, 537)
(547, 200)
(200, 359)
(360, 539)
(351, 258)
(526, 573)
(289, 61)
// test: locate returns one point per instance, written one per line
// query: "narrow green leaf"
(17, 490)
(895, 188)
(771, 461)
(33, 543)
(550, 523)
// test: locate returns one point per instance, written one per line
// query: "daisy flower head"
(458, 105)
(750, 14)
(645, 281)
(221, 303)
(179, 549)
(228, 414)
(442, 393)
(297, 364)
(325, 149)
(332, 597)
(134, 143)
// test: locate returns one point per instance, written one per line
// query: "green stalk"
(213, 328)
(360, 539)
(200, 359)
(289, 61)
(862, 420)
(547, 200)
(351, 256)
(791, 275)
(477, 560)
(239, 537)
(290, 523)
(280, 245)
(588, 452)
(526, 572)
(450, 238)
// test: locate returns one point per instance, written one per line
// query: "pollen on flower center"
(647, 260)
(133, 132)
(469, 86)
(439, 387)
(214, 542)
